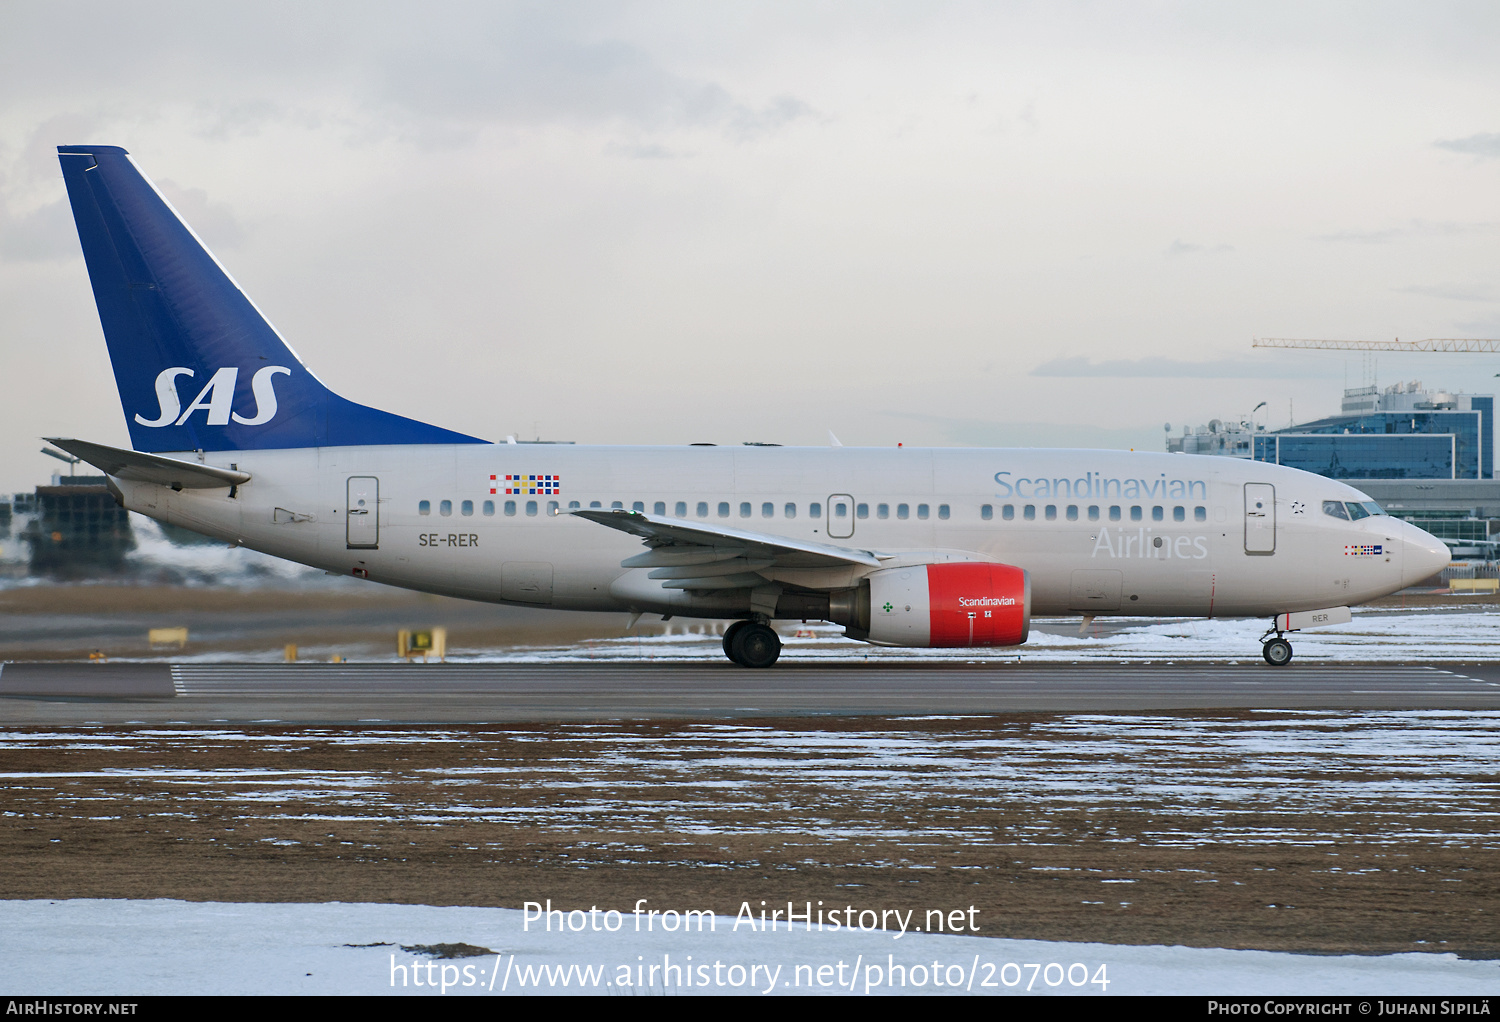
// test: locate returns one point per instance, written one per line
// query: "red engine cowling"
(967, 604)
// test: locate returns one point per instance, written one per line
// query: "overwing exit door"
(840, 516)
(362, 521)
(1260, 518)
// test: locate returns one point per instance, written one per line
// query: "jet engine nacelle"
(964, 604)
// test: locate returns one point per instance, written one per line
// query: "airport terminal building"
(1426, 455)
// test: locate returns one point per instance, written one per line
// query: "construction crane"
(1431, 344)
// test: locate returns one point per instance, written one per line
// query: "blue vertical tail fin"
(198, 367)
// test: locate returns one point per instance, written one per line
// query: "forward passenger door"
(1260, 518)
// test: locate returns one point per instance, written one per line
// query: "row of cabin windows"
(1116, 512)
(815, 510)
(680, 510)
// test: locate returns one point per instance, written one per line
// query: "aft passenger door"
(1260, 518)
(362, 524)
(840, 516)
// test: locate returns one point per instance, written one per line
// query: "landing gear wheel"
(729, 634)
(1278, 652)
(755, 646)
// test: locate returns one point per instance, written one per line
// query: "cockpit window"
(1352, 510)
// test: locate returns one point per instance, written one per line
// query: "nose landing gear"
(1277, 652)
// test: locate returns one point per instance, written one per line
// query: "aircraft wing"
(699, 555)
(150, 468)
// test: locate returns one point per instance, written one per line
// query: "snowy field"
(174, 947)
(1383, 635)
(1373, 635)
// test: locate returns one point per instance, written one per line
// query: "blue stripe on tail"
(197, 365)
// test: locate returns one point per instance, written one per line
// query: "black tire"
(756, 646)
(1278, 652)
(729, 634)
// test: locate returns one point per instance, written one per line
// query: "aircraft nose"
(1422, 555)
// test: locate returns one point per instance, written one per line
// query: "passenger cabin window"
(466, 508)
(1114, 512)
(1179, 514)
(573, 505)
(986, 512)
(840, 510)
(1093, 512)
(552, 507)
(790, 510)
(723, 509)
(659, 508)
(638, 506)
(489, 508)
(680, 509)
(424, 507)
(1200, 514)
(510, 508)
(943, 511)
(445, 508)
(922, 511)
(1135, 512)
(1072, 512)
(1008, 512)
(616, 505)
(815, 510)
(595, 503)
(531, 509)
(702, 509)
(903, 511)
(1157, 513)
(745, 509)
(1051, 512)
(1029, 512)
(768, 510)
(882, 510)
(862, 510)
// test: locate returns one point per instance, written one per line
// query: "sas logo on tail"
(216, 397)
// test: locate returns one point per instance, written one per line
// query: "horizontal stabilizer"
(151, 468)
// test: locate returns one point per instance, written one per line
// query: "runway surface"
(61, 693)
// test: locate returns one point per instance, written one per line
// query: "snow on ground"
(1373, 636)
(1380, 635)
(173, 947)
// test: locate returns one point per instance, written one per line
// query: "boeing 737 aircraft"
(235, 438)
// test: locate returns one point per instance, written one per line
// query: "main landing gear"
(1277, 652)
(752, 644)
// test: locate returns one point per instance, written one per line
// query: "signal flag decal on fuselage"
(547, 485)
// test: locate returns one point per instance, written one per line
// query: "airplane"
(233, 437)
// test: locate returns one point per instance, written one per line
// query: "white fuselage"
(1106, 531)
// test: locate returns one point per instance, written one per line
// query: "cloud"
(1414, 229)
(1450, 292)
(537, 71)
(41, 235)
(212, 221)
(1159, 367)
(1182, 248)
(988, 433)
(1484, 146)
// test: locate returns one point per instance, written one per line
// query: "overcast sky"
(930, 223)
